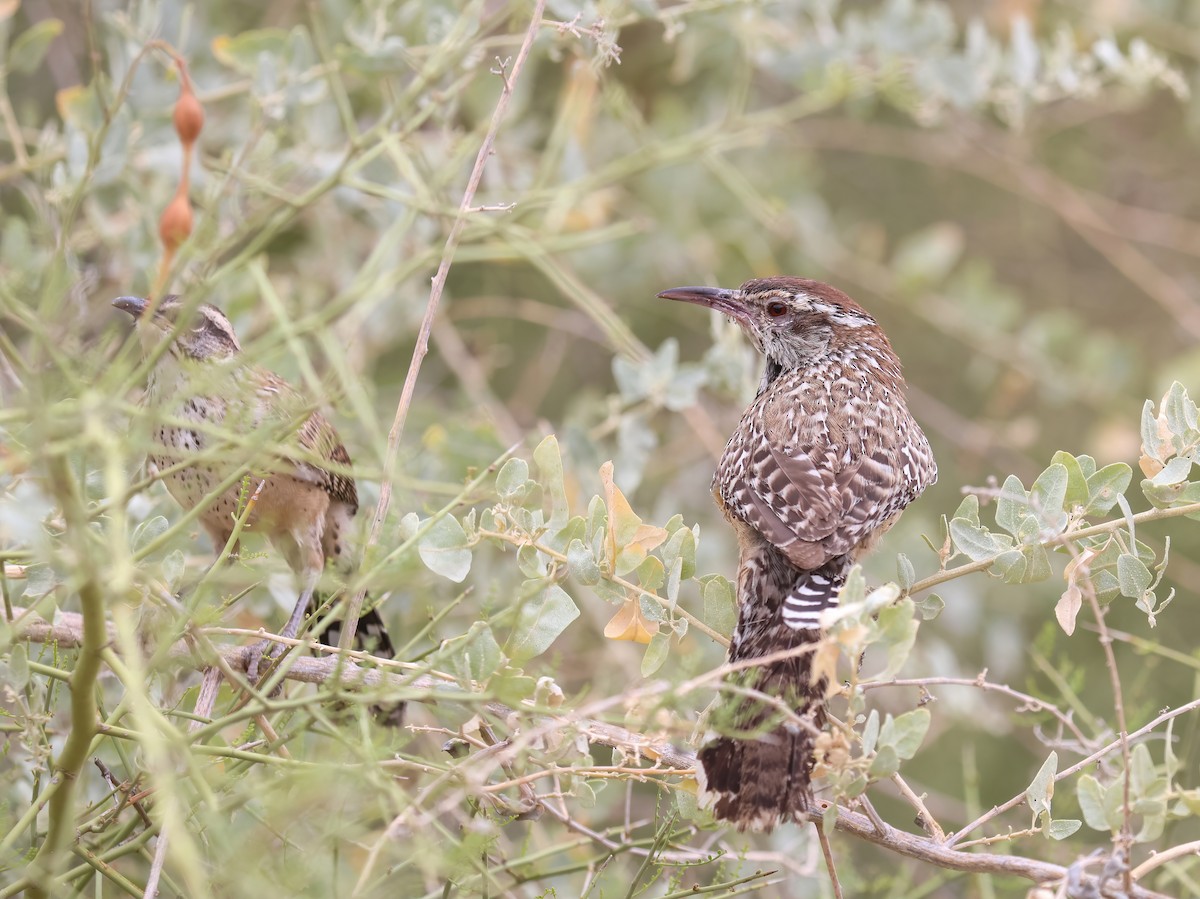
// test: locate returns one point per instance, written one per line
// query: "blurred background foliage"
(1008, 186)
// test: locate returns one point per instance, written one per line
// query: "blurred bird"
(209, 395)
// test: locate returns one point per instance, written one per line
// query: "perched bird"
(821, 465)
(233, 416)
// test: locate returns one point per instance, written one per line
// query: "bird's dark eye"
(776, 309)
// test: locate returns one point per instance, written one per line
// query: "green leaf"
(673, 581)
(1141, 770)
(1061, 829)
(532, 563)
(1012, 505)
(597, 517)
(1077, 491)
(409, 525)
(1153, 824)
(481, 656)
(1105, 486)
(885, 764)
(173, 567)
(930, 606)
(510, 482)
(511, 686)
(1086, 464)
(1134, 577)
(542, 618)
(1174, 472)
(1152, 444)
(1091, 802)
(968, 509)
(978, 544)
(898, 631)
(870, 735)
(149, 531)
(1011, 566)
(550, 473)
(29, 49)
(905, 734)
(855, 588)
(1039, 793)
(682, 545)
(582, 564)
(1180, 413)
(1048, 495)
(652, 610)
(1038, 568)
(906, 575)
(719, 611)
(18, 666)
(651, 573)
(657, 651)
(444, 549)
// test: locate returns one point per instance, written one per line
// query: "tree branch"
(68, 633)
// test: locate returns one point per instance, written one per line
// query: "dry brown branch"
(67, 632)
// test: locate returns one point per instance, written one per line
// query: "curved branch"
(1106, 527)
(67, 631)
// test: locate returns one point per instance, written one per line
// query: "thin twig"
(435, 296)
(68, 633)
(1106, 527)
(1032, 703)
(827, 854)
(928, 823)
(1078, 766)
(205, 701)
(1125, 838)
(1167, 855)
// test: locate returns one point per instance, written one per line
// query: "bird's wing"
(317, 440)
(815, 492)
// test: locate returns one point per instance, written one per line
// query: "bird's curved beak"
(135, 306)
(724, 300)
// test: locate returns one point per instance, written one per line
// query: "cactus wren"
(821, 465)
(205, 390)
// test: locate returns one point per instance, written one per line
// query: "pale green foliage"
(646, 145)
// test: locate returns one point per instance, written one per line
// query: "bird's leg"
(270, 649)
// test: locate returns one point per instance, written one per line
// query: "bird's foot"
(265, 651)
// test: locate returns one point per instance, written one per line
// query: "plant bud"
(189, 115)
(176, 222)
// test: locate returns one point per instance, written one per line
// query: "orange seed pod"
(176, 223)
(189, 115)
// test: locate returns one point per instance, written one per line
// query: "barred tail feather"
(757, 773)
(370, 636)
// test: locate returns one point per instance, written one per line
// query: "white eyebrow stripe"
(843, 316)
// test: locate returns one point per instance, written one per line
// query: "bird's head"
(792, 321)
(202, 333)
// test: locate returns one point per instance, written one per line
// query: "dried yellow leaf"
(630, 624)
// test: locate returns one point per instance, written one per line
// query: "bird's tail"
(372, 637)
(757, 772)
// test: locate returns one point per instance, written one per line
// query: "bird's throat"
(772, 371)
